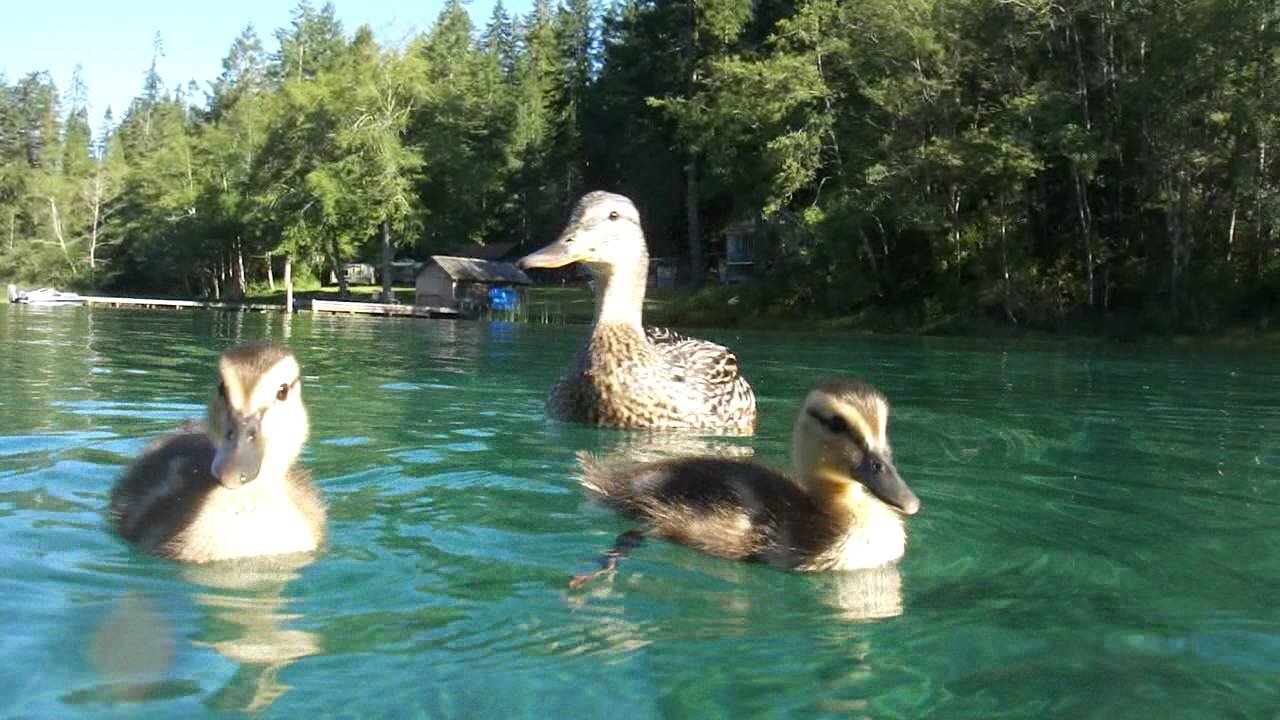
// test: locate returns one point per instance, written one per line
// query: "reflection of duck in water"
(863, 595)
(132, 649)
(236, 490)
(652, 446)
(626, 375)
(842, 511)
(247, 601)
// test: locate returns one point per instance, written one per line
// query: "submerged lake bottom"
(1097, 536)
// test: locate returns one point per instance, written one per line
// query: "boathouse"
(468, 284)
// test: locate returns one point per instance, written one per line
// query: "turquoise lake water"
(1099, 536)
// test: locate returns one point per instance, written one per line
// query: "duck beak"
(557, 254)
(239, 457)
(879, 476)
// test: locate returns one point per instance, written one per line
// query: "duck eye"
(877, 466)
(283, 393)
(838, 425)
(613, 215)
(835, 424)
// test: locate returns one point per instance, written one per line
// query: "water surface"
(1098, 536)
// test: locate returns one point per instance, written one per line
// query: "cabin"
(469, 284)
(738, 261)
(405, 272)
(662, 271)
(358, 273)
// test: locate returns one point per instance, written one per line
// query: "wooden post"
(13, 293)
(288, 284)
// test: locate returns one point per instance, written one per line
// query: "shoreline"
(712, 309)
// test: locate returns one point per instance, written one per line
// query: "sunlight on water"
(1097, 537)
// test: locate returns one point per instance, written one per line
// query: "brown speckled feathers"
(658, 380)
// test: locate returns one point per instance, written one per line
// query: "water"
(1098, 537)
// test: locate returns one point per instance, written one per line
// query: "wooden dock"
(344, 307)
(196, 304)
(368, 308)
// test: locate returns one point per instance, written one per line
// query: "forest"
(1039, 163)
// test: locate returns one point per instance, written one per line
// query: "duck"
(842, 508)
(233, 488)
(626, 375)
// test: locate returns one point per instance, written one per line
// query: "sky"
(112, 41)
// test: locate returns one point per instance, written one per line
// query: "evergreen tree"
(917, 160)
(312, 44)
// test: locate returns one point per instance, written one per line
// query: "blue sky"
(113, 40)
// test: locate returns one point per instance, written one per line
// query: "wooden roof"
(482, 271)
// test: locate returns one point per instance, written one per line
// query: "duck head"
(603, 233)
(256, 419)
(841, 445)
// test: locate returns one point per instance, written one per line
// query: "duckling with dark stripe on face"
(842, 509)
(236, 490)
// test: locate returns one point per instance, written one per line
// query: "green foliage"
(914, 163)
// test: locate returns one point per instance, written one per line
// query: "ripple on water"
(1097, 536)
(151, 410)
(47, 442)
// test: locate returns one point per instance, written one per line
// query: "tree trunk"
(1184, 235)
(692, 219)
(239, 267)
(271, 275)
(1086, 228)
(1262, 230)
(217, 283)
(1231, 235)
(96, 207)
(871, 254)
(344, 290)
(56, 222)
(1082, 83)
(288, 284)
(1004, 264)
(1174, 227)
(694, 225)
(388, 254)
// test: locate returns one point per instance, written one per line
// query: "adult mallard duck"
(235, 490)
(841, 510)
(626, 375)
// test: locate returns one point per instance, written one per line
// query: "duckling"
(626, 375)
(841, 510)
(234, 491)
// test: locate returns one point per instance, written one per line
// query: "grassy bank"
(741, 306)
(316, 291)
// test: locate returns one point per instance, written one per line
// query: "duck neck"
(850, 499)
(620, 294)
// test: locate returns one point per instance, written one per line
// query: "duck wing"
(723, 507)
(706, 368)
(161, 492)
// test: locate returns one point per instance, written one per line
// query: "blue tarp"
(503, 298)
